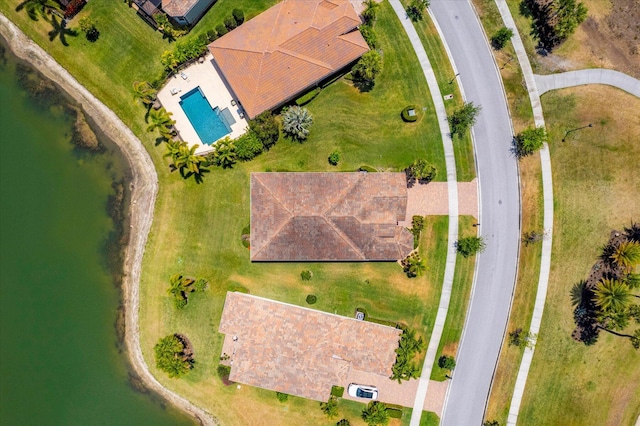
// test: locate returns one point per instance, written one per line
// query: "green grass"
(463, 149)
(462, 281)
(595, 190)
(429, 419)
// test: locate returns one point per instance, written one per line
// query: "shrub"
(501, 37)
(266, 128)
(532, 237)
(88, 27)
(470, 245)
(367, 169)
(171, 357)
(306, 275)
(221, 30)
(282, 397)
(413, 265)
(417, 223)
(368, 67)
(394, 413)
(375, 414)
(296, 123)
(248, 146)
(330, 408)
(337, 391)
(223, 372)
(334, 158)
(408, 347)
(223, 154)
(406, 116)
(369, 15)
(238, 15)
(446, 362)
(369, 36)
(230, 23)
(421, 171)
(212, 35)
(343, 422)
(311, 299)
(530, 140)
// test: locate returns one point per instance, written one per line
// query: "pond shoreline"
(143, 193)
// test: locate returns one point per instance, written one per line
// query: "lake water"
(60, 362)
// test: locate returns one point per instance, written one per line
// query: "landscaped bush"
(334, 158)
(470, 245)
(88, 27)
(230, 23)
(282, 397)
(408, 347)
(420, 171)
(238, 15)
(413, 265)
(246, 236)
(223, 372)
(337, 391)
(248, 146)
(368, 67)
(306, 275)
(343, 422)
(369, 36)
(375, 414)
(212, 35)
(184, 51)
(311, 299)
(221, 30)
(417, 225)
(266, 128)
(296, 123)
(406, 115)
(330, 408)
(173, 355)
(416, 9)
(223, 154)
(308, 97)
(394, 413)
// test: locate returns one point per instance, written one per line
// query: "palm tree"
(627, 255)
(38, 8)
(296, 122)
(187, 159)
(612, 295)
(173, 149)
(143, 92)
(60, 30)
(159, 118)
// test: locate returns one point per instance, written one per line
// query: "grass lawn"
(596, 190)
(463, 149)
(462, 281)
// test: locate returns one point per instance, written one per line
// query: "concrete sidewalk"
(452, 190)
(613, 78)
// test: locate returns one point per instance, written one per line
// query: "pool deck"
(217, 93)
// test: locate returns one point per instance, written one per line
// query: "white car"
(363, 391)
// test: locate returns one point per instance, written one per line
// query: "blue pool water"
(210, 125)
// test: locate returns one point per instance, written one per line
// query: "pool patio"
(204, 75)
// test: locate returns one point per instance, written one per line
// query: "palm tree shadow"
(61, 31)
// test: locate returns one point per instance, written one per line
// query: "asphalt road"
(499, 215)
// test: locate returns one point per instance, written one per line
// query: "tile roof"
(300, 351)
(286, 49)
(178, 8)
(328, 217)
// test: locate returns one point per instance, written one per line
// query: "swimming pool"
(209, 123)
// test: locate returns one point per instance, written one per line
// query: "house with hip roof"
(289, 48)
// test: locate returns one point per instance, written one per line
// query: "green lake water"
(60, 362)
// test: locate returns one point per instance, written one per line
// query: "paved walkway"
(588, 76)
(547, 192)
(452, 187)
(433, 199)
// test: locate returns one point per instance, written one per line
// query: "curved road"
(500, 212)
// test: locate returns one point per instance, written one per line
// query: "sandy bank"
(143, 197)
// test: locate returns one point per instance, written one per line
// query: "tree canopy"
(463, 118)
(530, 140)
(171, 357)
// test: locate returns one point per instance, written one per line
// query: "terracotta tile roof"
(328, 217)
(286, 49)
(178, 8)
(300, 351)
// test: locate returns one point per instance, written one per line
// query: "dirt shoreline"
(144, 189)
